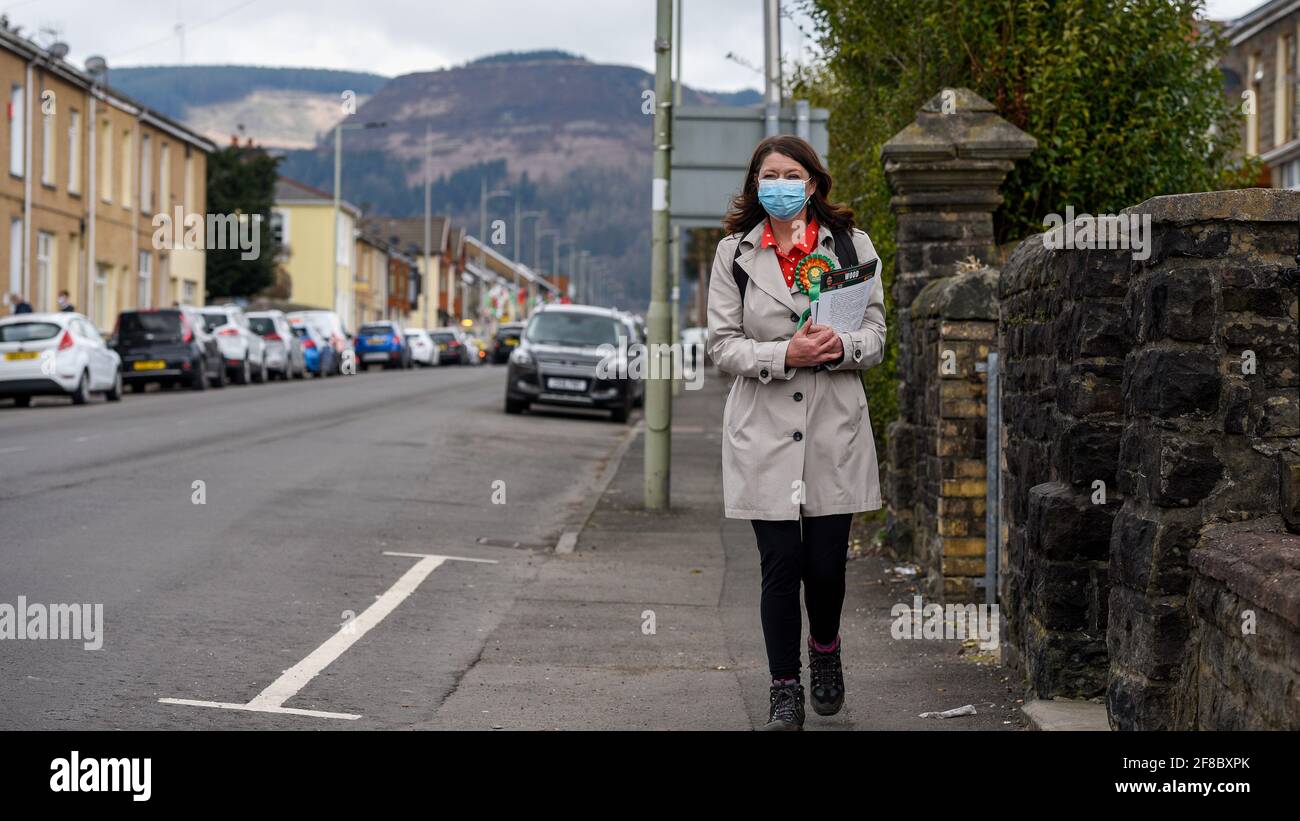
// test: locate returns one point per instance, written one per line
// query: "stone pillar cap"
(970, 130)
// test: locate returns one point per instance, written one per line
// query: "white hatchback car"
(242, 348)
(423, 351)
(58, 354)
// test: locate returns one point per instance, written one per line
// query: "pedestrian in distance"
(65, 302)
(798, 457)
(21, 306)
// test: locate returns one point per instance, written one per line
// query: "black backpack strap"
(845, 253)
(738, 274)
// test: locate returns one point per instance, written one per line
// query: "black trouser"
(813, 551)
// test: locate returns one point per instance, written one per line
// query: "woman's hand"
(813, 345)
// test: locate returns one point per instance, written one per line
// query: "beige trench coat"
(795, 442)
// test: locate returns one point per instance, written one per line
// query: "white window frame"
(144, 293)
(106, 156)
(16, 257)
(45, 256)
(48, 150)
(165, 179)
(17, 129)
(128, 168)
(74, 151)
(146, 173)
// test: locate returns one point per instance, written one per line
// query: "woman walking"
(798, 457)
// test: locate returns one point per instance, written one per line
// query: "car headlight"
(521, 357)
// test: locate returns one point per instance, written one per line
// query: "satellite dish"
(96, 65)
(58, 50)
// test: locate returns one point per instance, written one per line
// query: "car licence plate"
(512, 342)
(377, 340)
(558, 384)
(10, 357)
(149, 365)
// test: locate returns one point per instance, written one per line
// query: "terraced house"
(88, 170)
(1261, 71)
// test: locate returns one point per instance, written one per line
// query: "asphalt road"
(308, 485)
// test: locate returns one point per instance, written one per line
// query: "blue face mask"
(782, 199)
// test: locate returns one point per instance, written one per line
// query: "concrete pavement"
(575, 649)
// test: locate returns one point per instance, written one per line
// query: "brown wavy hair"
(746, 211)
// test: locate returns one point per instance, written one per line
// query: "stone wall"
(1062, 341)
(1148, 403)
(953, 329)
(1211, 425)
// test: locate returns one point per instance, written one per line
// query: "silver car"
(284, 357)
(243, 351)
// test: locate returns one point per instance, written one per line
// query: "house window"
(146, 173)
(189, 291)
(16, 255)
(47, 148)
(101, 295)
(17, 129)
(188, 195)
(280, 228)
(106, 161)
(128, 166)
(165, 177)
(1291, 174)
(74, 151)
(45, 265)
(145, 295)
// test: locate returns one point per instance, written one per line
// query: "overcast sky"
(398, 36)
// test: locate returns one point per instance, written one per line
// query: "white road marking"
(13, 449)
(288, 685)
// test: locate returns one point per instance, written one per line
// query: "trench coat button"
(857, 354)
(762, 374)
(798, 437)
(798, 397)
(794, 317)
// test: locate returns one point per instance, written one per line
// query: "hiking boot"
(826, 680)
(786, 710)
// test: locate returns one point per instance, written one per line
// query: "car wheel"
(219, 380)
(623, 411)
(245, 373)
(22, 401)
(259, 375)
(114, 394)
(199, 377)
(515, 405)
(137, 387)
(81, 394)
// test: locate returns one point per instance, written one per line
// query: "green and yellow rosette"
(808, 274)
(808, 277)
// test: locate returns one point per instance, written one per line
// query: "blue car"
(382, 343)
(317, 354)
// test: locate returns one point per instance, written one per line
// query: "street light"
(338, 188)
(555, 257)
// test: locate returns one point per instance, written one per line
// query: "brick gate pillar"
(945, 169)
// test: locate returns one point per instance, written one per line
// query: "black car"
(578, 356)
(506, 340)
(170, 346)
(451, 348)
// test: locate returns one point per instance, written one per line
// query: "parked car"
(557, 357)
(331, 327)
(243, 350)
(423, 350)
(58, 354)
(283, 350)
(452, 349)
(317, 354)
(505, 341)
(381, 343)
(167, 346)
